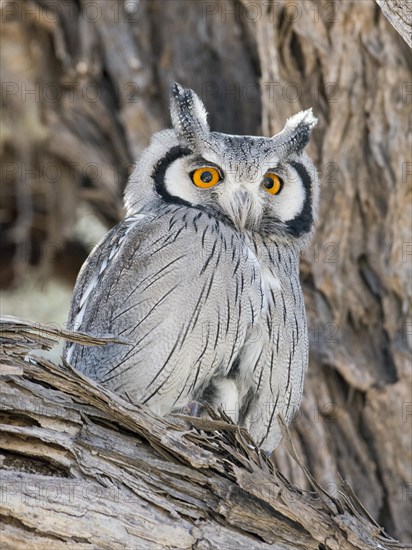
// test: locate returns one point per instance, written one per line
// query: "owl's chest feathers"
(274, 343)
(279, 272)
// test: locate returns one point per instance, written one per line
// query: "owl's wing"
(180, 287)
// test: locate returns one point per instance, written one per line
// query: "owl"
(200, 281)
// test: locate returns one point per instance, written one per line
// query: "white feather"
(303, 116)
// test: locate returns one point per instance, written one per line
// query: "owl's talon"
(192, 408)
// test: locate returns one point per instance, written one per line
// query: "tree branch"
(82, 467)
(399, 14)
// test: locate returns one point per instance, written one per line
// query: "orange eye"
(206, 177)
(272, 183)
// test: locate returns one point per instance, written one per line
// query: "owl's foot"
(193, 408)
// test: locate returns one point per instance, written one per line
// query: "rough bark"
(100, 76)
(399, 14)
(83, 468)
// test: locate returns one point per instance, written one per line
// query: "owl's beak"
(243, 196)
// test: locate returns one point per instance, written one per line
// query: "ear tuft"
(296, 133)
(188, 114)
(301, 119)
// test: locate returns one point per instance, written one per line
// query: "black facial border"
(302, 223)
(159, 171)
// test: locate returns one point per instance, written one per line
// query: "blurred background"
(85, 83)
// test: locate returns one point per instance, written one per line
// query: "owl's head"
(264, 185)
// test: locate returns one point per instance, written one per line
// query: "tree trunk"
(85, 84)
(355, 419)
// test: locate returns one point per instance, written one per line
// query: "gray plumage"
(204, 281)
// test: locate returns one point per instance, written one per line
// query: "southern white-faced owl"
(202, 276)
